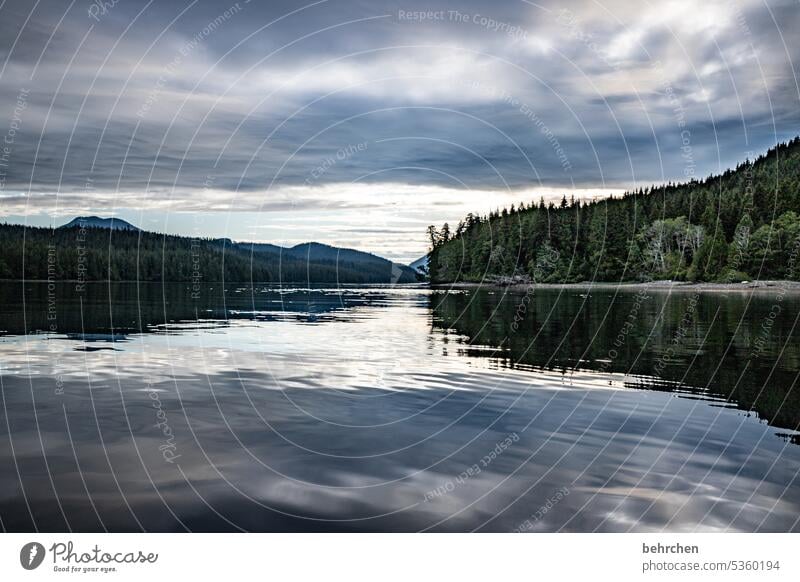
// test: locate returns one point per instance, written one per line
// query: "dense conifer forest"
(740, 225)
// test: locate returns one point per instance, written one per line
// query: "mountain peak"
(98, 222)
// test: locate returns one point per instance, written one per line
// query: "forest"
(737, 226)
(101, 254)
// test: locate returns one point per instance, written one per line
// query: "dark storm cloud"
(255, 97)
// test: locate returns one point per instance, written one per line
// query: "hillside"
(743, 224)
(125, 254)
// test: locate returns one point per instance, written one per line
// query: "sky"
(358, 123)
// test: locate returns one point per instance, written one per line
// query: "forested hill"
(101, 254)
(740, 225)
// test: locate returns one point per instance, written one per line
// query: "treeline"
(100, 254)
(740, 225)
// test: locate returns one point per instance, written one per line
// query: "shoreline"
(134, 281)
(749, 286)
(662, 285)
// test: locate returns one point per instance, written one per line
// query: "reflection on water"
(142, 407)
(739, 347)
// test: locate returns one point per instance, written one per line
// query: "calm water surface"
(148, 407)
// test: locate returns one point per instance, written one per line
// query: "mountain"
(321, 252)
(742, 224)
(420, 265)
(97, 222)
(132, 254)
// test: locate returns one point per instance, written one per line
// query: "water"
(146, 407)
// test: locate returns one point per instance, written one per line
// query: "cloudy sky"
(360, 122)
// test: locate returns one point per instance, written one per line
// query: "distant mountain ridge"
(313, 251)
(134, 254)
